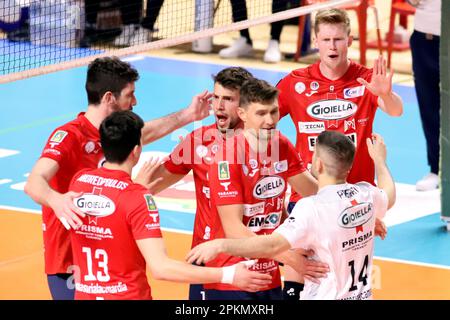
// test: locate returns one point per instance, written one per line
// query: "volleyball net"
(44, 36)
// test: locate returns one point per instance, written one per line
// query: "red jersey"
(75, 146)
(118, 212)
(258, 181)
(316, 103)
(196, 152)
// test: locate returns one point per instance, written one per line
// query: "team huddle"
(102, 228)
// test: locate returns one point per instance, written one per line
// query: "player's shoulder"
(136, 195)
(85, 171)
(359, 69)
(305, 206)
(305, 72)
(68, 130)
(365, 185)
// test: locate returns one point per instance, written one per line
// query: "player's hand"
(65, 210)
(145, 175)
(377, 148)
(200, 106)
(381, 82)
(205, 252)
(310, 269)
(251, 281)
(380, 229)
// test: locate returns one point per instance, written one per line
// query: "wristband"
(228, 274)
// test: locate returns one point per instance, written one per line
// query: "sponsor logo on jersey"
(357, 240)
(356, 215)
(363, 121)
(269, 187)
(95, 205)
(311, 127)
(251, 209)
(349, 125)
(52, 151)
(253, 163)
(280, 166)
(151, 205)
(227, 194)
(99, 232)
(224, 170)
(201, 151)
(309, 94)
(207, 234)
(314, 85)
(260, 222)
(225, 185)
(300, 87)
(214, 148)
(58, 136)
(353, 92)
(331, 109)
(312, 142)
(347, 193)
(353, 137)
(89, 147)
(266, 266)
(206, 192)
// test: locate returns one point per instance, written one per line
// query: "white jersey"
(338, 224)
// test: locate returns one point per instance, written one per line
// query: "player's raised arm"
(197, 110)
(377, 151)
(381, 86)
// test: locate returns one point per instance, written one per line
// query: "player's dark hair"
(257, 91)
(108, 74)
(120, 132)
(332, 16)
(232, 77)
(340, 149)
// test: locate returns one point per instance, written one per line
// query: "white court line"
(33, 211)
(3, 181)
(133, 58)
(412, 204)
(422, 264)
(7, 152)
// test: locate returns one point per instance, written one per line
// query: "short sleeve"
(283, 97)
(61, 145)
(380, 202)
(144, 217)
(297, 229)
(296, 164)
(226, 183)
(182, 157)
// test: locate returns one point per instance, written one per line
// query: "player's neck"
(95, 115)
(256, 144)
(126, 166)
(334, 73)
(325, 180)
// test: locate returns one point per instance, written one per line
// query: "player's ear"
(350, 40)
(108, 98)
(242, 113)
(136, 152)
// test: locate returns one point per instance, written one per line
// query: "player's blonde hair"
(332, 16)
